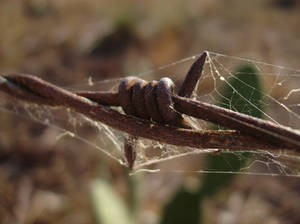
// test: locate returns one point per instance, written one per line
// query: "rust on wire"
(155, 112)
(129, 150)
(192, 77)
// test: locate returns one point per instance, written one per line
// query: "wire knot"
(150, 100)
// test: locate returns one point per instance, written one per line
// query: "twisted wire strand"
(157, 105)
(35, 90)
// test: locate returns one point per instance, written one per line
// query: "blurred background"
(66, 42)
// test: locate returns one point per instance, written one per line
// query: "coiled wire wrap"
(150, 100)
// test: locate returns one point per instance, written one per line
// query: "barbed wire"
(154, 111)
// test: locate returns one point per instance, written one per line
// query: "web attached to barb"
(279, 103)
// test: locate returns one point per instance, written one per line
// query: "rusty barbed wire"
(155, 112)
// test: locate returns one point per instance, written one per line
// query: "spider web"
(280, 103)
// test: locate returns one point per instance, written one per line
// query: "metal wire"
(155, 112)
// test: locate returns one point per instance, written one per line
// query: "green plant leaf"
(182, 208)
(244, 93)
(108, 206)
